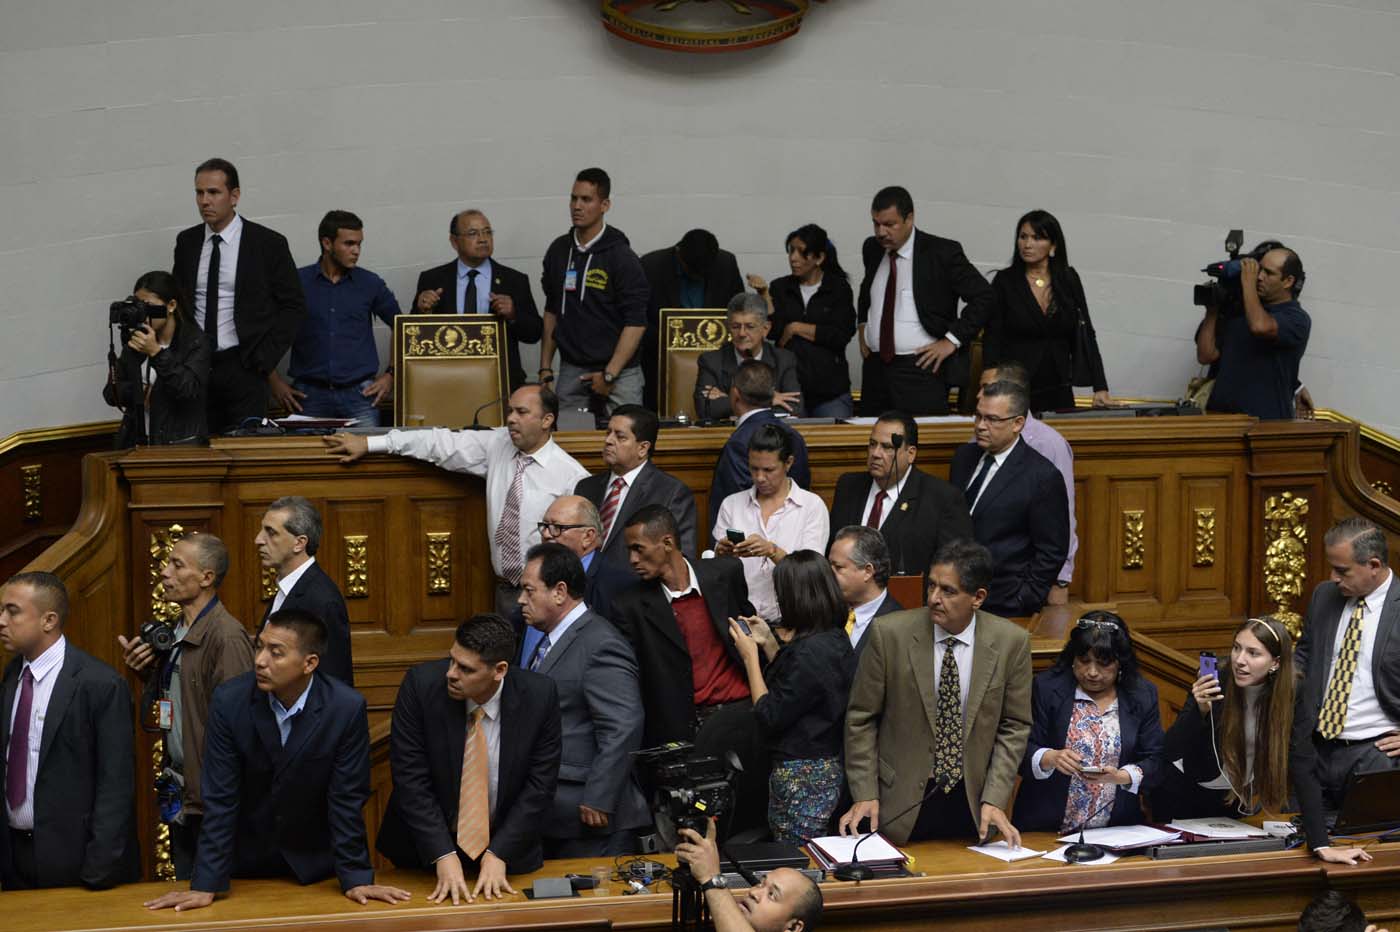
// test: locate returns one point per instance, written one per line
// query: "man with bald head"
(474, 283)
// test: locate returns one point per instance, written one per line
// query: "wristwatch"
(717, 882)
(608, 377)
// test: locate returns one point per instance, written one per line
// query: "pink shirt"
(801, 523)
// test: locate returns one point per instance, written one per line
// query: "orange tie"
(473, 800)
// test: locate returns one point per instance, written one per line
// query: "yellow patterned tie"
(948, 752)
(850, 622)
(473, 799)
(1333, 717)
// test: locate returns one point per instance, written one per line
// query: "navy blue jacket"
(732, 467)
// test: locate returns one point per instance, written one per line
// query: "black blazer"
(732, 467)
(1044, 343)
(268, 304)
(1040, 804)
(84, 788)
(654, 486)
(822, 370)
(942, 275)
(317, 593)
(1189, 739)
(645, 618)
(426, 744)
(177, 394)
(718, 367)
(890, 604)
(527, 326)
(722, 283)
(1313, 658)
(1023, 519)
(928, 514)
(266, 805)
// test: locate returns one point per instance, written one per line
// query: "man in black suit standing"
(288, 541)
(1018, 504)
(440, 821)
(908, 309)
(633, 482)
(694, 273)
(286, 774)
(751, 397)
(748, 323)
(244, 272)
(860, 561)
(474, 283)
(1347, 713)
(916, 513)
(598, 805)
(65, 730)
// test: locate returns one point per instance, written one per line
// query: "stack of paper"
(1004, 852)
(1124, 837)
(876, 852)
(1217, 828)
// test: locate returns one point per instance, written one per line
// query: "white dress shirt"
(1365, 717)
(231, 235)
(483, 287)
(286, 583)
(490, 453)
(891, 496)
(45, 669)
(864, 615)
(629, 479)
(284, 715)
(962, 656)
(692, 585)
(909, 332)
(998, 460)
(800, 523)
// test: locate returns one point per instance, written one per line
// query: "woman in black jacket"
(1040, 318)
(813, 315)
(162, 377)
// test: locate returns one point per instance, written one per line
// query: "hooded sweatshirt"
(610, 293)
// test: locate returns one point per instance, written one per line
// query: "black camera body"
(131, 314)
(688, 788)
(1223, 290)
(159, 635)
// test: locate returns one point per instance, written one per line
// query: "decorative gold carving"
(1133, 545)
(698, 332)
(165, 864)
(469, 339)
(356, 565)
(703, 26)
(32, 478)
(439, 550)
(269, 583)
(1204, 550)
(1380, 485)
(1286, 555)
(162, 540)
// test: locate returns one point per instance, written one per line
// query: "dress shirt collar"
(492, 706)
(865, 612)
(49, 661)
(788, 499)
(892, 494)
(629, 478)
(288, 582)
(483, 271)
(584, 247)
(758, 355)
(1000, 458)
(906, 252)
(1081, 696)
(587, 559)
(346, 275)
(964, 636)
(748, 414)
(229, 234)
(283, 715)
(544, 456)
(693, 585)
(574, 615)
(1376, 600)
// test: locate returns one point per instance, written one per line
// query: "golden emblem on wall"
(704, 25)
(1285, 555)
(439, 551)
(702, 333)
(32, 479)
(1380, 485)
(162, 540)
(1134, 546)
(165, 864)
(356, 565)
(1203, 553)
(268, 584)
(468, 339)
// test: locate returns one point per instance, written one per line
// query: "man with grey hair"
(211, 646)
(748, 332)
(287, 543)
(860, 560)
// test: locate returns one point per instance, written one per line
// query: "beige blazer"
(892, 716)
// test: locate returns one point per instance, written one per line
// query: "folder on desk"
(831, 851)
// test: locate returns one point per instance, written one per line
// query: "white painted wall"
(1149, 128)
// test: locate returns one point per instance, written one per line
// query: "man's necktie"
(887, 315)
(972, 491)
(541, 651)
(1333, 717)
(211, 295)
(474, 797)
(469, 298)
(508, 531)
(17, 759)
(948, 752)
(876, 510)
(850, 622)
(609, 509)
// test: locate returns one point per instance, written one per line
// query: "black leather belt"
(328, 385)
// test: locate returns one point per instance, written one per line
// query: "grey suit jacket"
(600, 707)
(654, 486)
(891, 722)
(717, 368)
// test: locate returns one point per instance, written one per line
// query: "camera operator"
(1257, 352)
(162, 377)
(209, 646)
(786, 900)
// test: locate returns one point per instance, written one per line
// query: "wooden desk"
(961, 890)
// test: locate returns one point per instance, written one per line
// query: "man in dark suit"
(1018, 504)
(916, 513)
(633, 482)
(751, 397)
(1347, 712)
(860, 561)
(474, 283)
(65, 734)
(253, 289)
(286, 774)
(427, 825)
(748, 339)
(288, 541)
(908, 309)
(693, 273)
(598, 805)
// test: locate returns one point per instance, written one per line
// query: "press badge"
(571, 280)
(165, 714)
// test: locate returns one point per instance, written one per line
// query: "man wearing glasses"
(1020, 511)
(474, 283)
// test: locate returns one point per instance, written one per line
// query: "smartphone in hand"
(1208, 665)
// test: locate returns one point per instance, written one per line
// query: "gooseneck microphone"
(1082, 852)
(476, 415)
(857, 871)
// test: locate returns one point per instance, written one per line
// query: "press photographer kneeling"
(161, 378)
(786, 900)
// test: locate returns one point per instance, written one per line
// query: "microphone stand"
(476, 416)
(857, 871)
(1083, 852)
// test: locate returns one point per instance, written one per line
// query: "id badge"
(165, 714)
(571, 280)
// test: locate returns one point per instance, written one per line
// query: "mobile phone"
(743, 625)
(1093, 771)
(735, 537)
(1208, 665)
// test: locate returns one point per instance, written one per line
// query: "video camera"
(1223, 291)
(132, 313)
(689, 787)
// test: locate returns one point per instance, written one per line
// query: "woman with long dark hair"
(800, 700)
(162, 376)
(1096, 733)
(814, 316)
(1040, 318)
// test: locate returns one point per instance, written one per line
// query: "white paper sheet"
(1003, 852)
(1123, 836)
(876, 848)
(1059, 855)
(1218, 828)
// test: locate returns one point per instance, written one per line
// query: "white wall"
(1149, 128)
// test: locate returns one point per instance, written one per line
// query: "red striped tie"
(609, 509)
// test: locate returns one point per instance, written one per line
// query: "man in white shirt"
(861, 563)
(525, 471)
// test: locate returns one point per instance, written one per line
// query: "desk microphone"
(857, 871)
(476, 416)
(1082, 852)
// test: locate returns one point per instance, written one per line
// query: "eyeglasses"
(478, 234)
(1096, 623)
(555, 530)
(979, 418)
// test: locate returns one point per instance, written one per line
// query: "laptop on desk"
(1371, 803)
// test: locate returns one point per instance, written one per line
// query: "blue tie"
(540, 652)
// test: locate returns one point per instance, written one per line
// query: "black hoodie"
(612, 293)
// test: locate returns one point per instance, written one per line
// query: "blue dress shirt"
(336, 341)
(483, 288)
(284, 716)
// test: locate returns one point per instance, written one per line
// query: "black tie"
(469, 299)
(981, 477)
(211, 296)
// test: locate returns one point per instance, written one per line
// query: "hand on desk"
(349, 447)
(377, 891)
(181, 900)
(450, 881)
(1335, 855)
(993, 817)
(863, 809)
(491, 880)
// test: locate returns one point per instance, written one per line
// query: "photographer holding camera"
(161, 379)
(1256, 347)
(786, 900)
